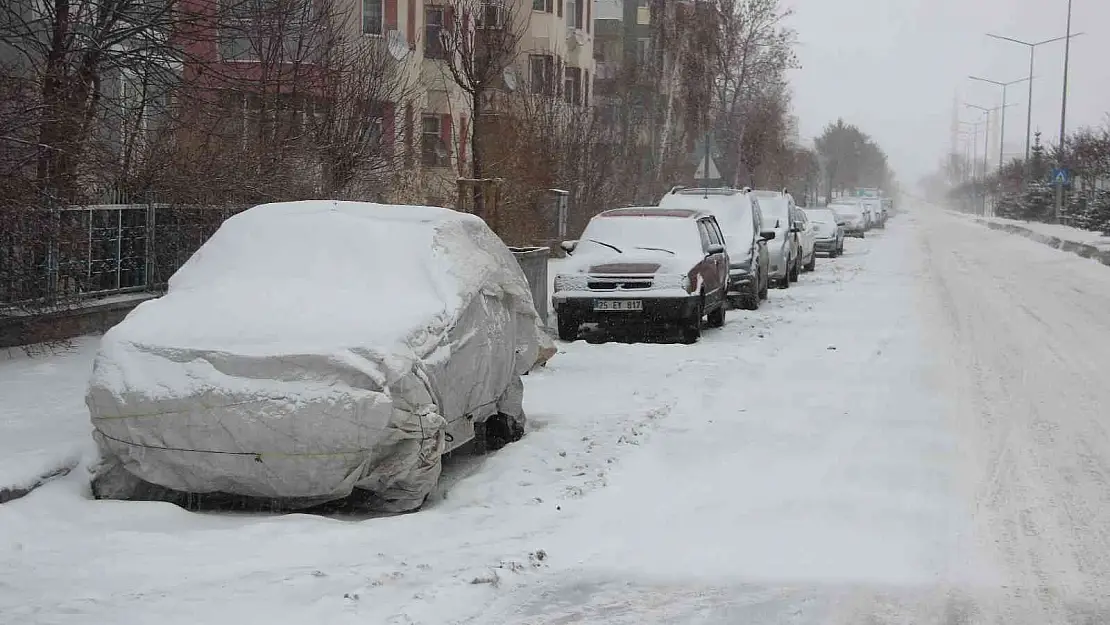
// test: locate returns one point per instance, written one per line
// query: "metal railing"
(67, 255)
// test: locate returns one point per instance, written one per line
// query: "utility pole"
(1063, 121)
(1032, 45)
(1002, 130)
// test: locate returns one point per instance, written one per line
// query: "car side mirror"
(568, 246)
(715, 248)
(842, 223)
(767, 235)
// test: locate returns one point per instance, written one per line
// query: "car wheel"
(794, 273)
(750, 299)
(763, 290)
(785, 282)
(691, 327)
(568, 328)
(716, 318)
(812, 264)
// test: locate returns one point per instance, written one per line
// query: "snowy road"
(914, 434)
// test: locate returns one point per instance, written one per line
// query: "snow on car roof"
(302, 275)
(651, 211)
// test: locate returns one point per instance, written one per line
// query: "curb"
(1084, 250)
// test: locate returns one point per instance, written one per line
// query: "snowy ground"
(1066, 233)
(44, 426)
(910, 435)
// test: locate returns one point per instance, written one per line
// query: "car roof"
(655, 211)
(706, 191)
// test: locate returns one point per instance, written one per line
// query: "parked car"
(828, 231)
(644, 267)
(741, 220)
(877, 210)
(853, 214)
(806, 237)
(778, 209)
(312, 349)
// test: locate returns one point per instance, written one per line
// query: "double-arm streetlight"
(986, 143)
(1033, 45)
(1002, 130)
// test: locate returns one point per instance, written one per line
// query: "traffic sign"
(1061, 176)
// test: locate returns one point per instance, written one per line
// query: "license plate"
(616, 305)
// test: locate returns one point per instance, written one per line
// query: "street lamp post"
(1063, 120)
(1032, 45)
(1002, 130)
(986, 143)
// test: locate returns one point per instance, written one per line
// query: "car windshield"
(775, 209)
(822, 216)
(638, 235)
(733, 213)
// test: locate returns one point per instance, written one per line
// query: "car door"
(808, 235)
(717, 236)
(709, 267)
(762, 255)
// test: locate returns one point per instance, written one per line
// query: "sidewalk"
(44, 425)
(1080, 242)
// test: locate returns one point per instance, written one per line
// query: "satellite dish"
(398, 47)
(509, 76)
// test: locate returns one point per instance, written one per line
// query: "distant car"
(877, 210)
(644, 267)
(852, 212)
(807, 251)
(778, 208)
(741, 220)
(828, 231)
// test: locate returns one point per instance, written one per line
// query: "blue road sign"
(1060, 176)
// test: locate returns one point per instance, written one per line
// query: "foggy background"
(895, 68)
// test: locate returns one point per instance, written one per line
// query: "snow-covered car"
(852, 213)
(778, 208)
(828, 231)
(807, 239)
(877, 211)
(644, 267)
(312, 349)
(741, 220)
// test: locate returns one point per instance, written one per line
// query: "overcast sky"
(894, 67)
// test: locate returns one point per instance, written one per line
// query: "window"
(541, 72)
(715, 236)
(434, 21)
(547, 6)
(703, 230)
(491, 15)
(576, 13)
(432, 147)
(373, 17)
(572, 86)
(643, 50)
(643, 12)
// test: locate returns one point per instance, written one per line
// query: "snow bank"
(44, 427)
(1081, 242)
(312, 348)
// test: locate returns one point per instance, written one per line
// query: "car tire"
(716, 318)
(812, 264)
(794, 273)
(764, 290)
(750, 299)
(691, 327)
(568, 328)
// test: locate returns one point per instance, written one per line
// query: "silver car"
(785, 262)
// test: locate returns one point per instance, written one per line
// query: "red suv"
(644, 266)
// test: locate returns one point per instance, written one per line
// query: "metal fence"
(66, 255)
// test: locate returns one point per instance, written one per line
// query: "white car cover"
(312, 348)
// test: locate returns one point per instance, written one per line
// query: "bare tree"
(481, 40)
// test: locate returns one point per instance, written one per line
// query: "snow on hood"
(604, 260)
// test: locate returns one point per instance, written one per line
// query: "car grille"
(619, 283)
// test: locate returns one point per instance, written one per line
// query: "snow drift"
(309, 349)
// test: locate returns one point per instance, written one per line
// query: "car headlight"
(672, 281)
(570, 282)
